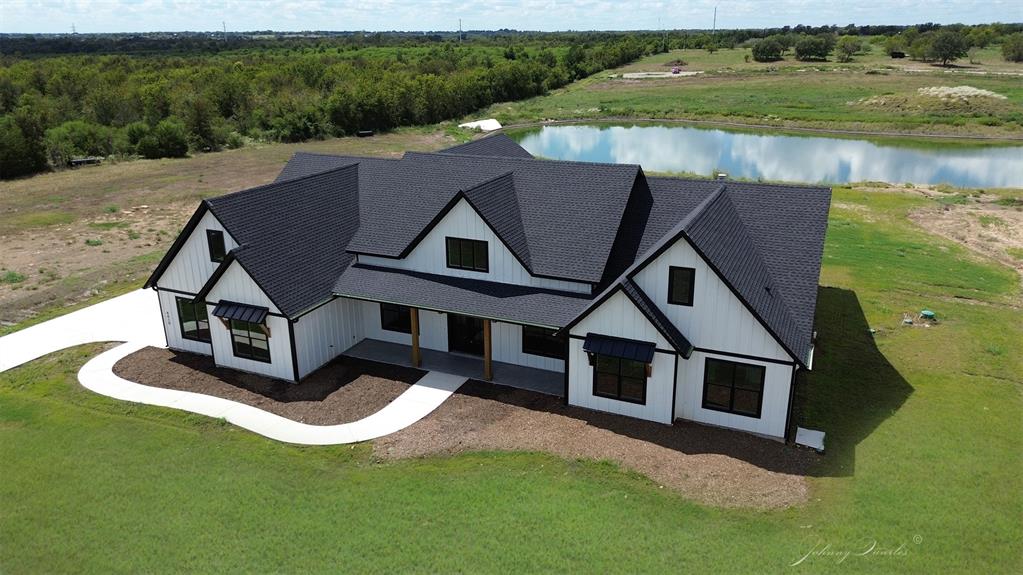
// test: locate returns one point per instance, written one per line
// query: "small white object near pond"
(810, 438)
(488, 125)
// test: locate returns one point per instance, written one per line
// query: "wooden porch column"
(488, 368)
(416, 358)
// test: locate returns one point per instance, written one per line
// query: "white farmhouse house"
(656, 298)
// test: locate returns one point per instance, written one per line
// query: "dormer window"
(469, 255)
(215, 242)
(681, 282)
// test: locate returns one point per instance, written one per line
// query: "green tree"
(168, 139)
(847, 47)
(767, 50)
(77, 138)
(948, 46)
(812, 48)
(1012, 47)
(19, 155)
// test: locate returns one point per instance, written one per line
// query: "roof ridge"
(263, 187)
(486, 181)
(798, 185)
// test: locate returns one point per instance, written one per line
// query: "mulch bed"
(345, 390)
(711, 465)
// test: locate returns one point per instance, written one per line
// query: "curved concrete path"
(135, 318)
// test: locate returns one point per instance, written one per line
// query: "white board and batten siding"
(462, 221)
(237, 286)
(506, 342)
(774, 408)
(191, 267)
(326, 332)
(172, 325)
(618, 316)
(718, 321)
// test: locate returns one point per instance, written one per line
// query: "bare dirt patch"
(983, 227)
(713, 466)
(345, 390)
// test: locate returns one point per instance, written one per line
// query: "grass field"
(821, 95)
(925, 444)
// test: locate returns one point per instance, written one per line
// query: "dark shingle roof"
(498, 145)
(569, 220)
(657, 317)
(499, 301)
(284, 231)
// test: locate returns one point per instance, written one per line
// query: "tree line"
(56, 108)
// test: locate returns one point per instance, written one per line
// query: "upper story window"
(680, 285)
(542, 341)
(466, 254)
(215, 241)
(395, 318)
(733, 387)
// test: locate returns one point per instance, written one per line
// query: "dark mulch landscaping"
(711, 465)
(345, 390)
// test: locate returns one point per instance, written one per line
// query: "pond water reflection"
(808, 159)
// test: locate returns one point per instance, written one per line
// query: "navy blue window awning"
(240, 311)
(631, 349)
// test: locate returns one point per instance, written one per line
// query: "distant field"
(872, 93)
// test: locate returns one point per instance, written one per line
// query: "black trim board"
(674, 390)
(568, 366)
(792, 397)
(294, 352)
(744, 356)
(172, 252)
(174, 291)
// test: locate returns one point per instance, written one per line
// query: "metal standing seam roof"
(240, 311)
(642, 351)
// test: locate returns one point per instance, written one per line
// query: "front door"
(465, 334)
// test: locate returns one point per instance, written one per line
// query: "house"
(656, 298)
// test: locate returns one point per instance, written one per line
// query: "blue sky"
(289, 15)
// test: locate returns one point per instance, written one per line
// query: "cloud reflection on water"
(809, 159)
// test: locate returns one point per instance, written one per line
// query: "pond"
(780, 157)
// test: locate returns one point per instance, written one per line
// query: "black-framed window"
(681, 282)
(621, 379)
(193, 320)
(395, 318)
(249, 341)
(542, 341)
(215, 241)
(733, 387)
(466, 254)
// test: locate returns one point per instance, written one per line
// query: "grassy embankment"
(925, 441)
(820, 95)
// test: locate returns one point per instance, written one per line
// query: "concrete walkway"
(135, 318)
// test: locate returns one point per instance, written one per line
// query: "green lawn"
(925, 440)
(823, 95)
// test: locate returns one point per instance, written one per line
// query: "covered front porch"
(511, 375)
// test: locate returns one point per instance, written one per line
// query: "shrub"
(767, 50)
(847, 47)
(93, 243)
(168, 139)
(1012, 47)
(812, 48)
(78, 138)
(11, 277)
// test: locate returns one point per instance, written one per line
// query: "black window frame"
(463, 248)
(216, 238)
(186, 303)
(621, 362)
(398, 313)
(732, 387)
(544, 337)
(249, 328)
(671, 284)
